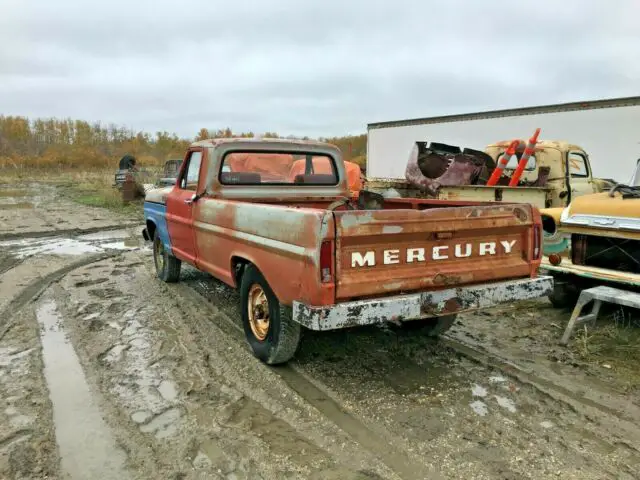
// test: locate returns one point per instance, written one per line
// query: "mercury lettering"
(439, 252)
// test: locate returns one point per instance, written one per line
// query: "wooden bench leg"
(575, 316)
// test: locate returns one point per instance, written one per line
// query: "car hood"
(158, 195)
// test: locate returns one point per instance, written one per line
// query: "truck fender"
(156, 220)
(239, 262)
(550, 219)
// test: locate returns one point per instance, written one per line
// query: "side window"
(577, 164)
(189, 180)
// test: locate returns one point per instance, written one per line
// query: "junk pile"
(127, 179)
(436, 165)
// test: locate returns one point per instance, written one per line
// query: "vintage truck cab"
(596, 239)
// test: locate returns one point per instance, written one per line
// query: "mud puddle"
(79, 245)
(85, 444)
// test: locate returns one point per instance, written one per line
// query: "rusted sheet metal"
(419, 305)
(383, 252)
(283, 242)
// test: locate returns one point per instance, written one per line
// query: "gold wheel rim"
(159, 257)
(258, 307)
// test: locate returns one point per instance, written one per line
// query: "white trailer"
(608, 130)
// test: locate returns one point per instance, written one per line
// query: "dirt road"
(106, 372)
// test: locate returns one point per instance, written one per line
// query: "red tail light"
(536, 242)
(326, 261)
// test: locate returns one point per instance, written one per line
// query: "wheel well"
(549, 224)
(151, 229)
(238, 267)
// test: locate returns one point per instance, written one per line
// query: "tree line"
(66, 143)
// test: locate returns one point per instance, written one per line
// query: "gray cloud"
(315, 68)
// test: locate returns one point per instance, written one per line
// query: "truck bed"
(536, 196)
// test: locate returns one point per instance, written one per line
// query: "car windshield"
(635, 180)
(515, 159)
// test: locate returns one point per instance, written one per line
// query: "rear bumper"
(420, 305)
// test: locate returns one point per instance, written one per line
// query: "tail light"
(326, 261)
(536, 242)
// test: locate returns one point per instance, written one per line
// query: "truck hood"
(158, 195)
(600, 211)
(603, 205)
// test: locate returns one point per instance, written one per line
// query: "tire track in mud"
(297, 379)
(543, 386)
(34, 289)
(69, 232)
(394, 458)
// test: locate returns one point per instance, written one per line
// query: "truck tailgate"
(381, 252)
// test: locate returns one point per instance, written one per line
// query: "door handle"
(189, 201)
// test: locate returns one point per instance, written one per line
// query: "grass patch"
(95, 189)
(92, 187)
(613, 344)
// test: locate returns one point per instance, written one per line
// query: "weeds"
(613, 343)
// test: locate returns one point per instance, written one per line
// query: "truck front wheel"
(167, 266)
(271, 333)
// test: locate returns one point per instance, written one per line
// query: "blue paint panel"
(157, 213)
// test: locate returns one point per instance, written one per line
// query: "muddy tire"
(432, 327)
(167, 266)
(270, 331)
(563, 295)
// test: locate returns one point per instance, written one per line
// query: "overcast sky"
(308, 67)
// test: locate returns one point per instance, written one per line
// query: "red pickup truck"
(305, 253)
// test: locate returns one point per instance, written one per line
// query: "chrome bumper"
(420, 305)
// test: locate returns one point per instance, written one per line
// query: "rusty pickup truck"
(304, 253)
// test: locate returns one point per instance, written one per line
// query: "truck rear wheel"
(270, 331)
(564, 295)
(167, 266)
(432, 327)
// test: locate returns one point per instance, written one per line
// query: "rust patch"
(442, 279)
(452, 305)
(520, 214)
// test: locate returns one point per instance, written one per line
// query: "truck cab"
(570, 173)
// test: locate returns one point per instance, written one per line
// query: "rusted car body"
(595, 240)
(324, 261)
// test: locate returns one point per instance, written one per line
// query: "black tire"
(563, 296)
(282, 337)
(167, 266)
(432, 327)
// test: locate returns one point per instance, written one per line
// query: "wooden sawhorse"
(598, 295)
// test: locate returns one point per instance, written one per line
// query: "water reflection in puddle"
(83, 244)
(87, 448)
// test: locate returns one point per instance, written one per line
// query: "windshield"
(515, 159)
(635, 180)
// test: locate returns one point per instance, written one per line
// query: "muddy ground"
(106, 372)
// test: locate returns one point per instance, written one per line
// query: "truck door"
(180, 208)
(580, 176)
